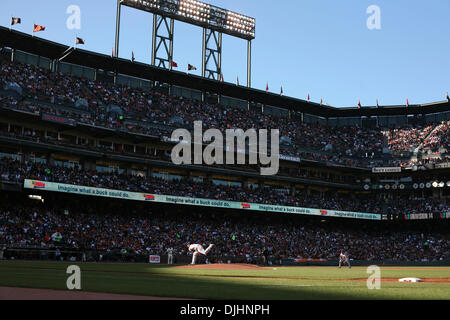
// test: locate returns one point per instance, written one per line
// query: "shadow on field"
(152, 281)
(163, 281)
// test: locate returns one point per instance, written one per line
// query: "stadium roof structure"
(201, 14)
(41, 47)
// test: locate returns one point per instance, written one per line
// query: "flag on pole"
(191, 67)
(309, 97)
(79, 41)
(173, 64)
(407, 102)
(267, 87)
(378, 104)
(448, 97)
(112, 53)
(321, 100)
(281, 92)
(38, 28)
(359, 104)
(237, 80)
(132, 56)
(16, 21)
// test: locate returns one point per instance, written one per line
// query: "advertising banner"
(59, 119)
(290, 158)
(387, 170)
(126, 195)
(442, 165)
(154, 259)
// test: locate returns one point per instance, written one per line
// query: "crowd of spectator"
(16, 171)
(440, 138)
(155, 113)
(407, 137)
(110, 228)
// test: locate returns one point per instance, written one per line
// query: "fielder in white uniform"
(198, 249)
(170, 256)
(343, 258)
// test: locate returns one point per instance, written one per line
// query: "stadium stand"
(67, 125)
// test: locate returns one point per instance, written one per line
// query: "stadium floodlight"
(200, 14)
(435, 184)
(441, 185)
(215, 21)
(448, 184)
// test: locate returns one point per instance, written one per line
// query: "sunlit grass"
(264, 283)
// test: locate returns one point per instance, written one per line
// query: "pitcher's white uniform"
(198, 249)
(343, 258)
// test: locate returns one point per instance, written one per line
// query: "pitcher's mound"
(219, 266)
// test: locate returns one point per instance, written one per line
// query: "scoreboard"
(415, 216)
(419, 216)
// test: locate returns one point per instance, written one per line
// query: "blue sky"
(320, 47)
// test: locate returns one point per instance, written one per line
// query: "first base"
(410, 280)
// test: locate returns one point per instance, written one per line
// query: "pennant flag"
(321, 100)
(15, 21)
(407, 102)
(378, 104)
(191, 67)
(38, 28)
(281, 92)
(132, 56)
(267, 87)
(79, 41)
(173, 64)
(448, 97)
(237, 80)
(359, 104)
(308, 97)
(112, 53)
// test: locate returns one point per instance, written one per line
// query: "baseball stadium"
(359, 208)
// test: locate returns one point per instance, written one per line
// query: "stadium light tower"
(215, 22)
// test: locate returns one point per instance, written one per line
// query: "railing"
(30, 253)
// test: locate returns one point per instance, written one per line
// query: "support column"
(162, 40)
(212, 54)
(249, 64)
(116, 49)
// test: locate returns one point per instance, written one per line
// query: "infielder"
(198, 249)
(343, 258)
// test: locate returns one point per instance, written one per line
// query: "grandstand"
(85, 151)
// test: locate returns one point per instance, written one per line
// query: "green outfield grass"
(286, 283)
